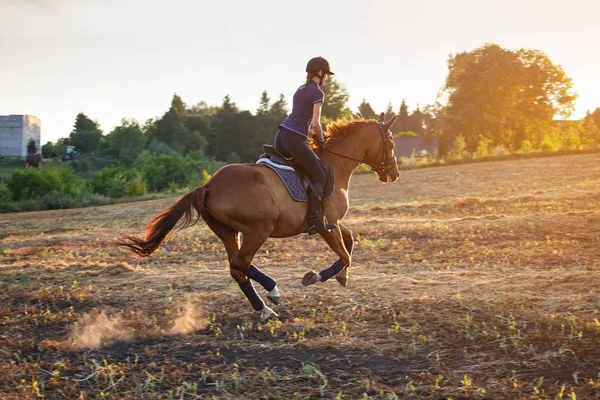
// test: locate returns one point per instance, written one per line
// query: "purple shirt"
(302, 110)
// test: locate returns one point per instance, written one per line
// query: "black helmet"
(318, 63)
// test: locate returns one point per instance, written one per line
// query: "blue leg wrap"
(332, 271)
(265, 280)
(248, 289)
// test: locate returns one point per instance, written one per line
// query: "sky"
(114, 59)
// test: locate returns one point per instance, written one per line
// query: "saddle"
(293, 175)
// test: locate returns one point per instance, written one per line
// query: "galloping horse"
(251, 199)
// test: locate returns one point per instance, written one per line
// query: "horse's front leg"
(342, 277)
(336, 243)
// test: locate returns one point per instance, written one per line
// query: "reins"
(384, 166)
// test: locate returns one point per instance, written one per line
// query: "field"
(473, 281)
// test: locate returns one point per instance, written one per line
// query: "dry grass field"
(476, 281)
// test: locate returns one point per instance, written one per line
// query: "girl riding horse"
(252, 200)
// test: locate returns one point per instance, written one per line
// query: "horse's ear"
(388, 125)
(381, 117)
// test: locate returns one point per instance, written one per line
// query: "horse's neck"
(343, 167)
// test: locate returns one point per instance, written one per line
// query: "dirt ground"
(475, 281)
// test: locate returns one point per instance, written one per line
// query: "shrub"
(94, 199)
(548, 143)
(499, 151)
(526, 147)
(135, 186)
(457, 149)
(483, 148)
(198, 179)
(117, 181)
(29, 184)
(56, 200)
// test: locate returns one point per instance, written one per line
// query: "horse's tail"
(165, 221)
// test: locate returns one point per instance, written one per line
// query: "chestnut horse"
(252, 200)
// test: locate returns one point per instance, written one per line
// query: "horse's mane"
(342, 128)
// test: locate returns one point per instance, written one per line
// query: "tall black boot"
(315, 221)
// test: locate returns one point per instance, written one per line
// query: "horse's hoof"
(310, 278)
(267, 313)
(273, 296)
(342, 279)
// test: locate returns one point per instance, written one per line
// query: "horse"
(252, 200)
(34, 160)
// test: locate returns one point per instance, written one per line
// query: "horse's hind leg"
(229, 236)
(336, 243)
(242, 269)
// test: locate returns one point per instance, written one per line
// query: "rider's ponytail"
(309, 77)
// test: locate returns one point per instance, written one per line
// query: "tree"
(336, 99)
(504, 96)
(172, 128)
(590, 135)
(228, 105)
(264, 105)
(596, 117)
(279, 109)
(402, 124)
(203, 109)
(126, 142)
(366, 110)
(416, 121)
(389, 111)
(86, 134)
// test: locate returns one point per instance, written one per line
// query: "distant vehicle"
(70, 154)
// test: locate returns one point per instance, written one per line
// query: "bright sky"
(125, 58)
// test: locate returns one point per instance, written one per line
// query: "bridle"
(386, 164)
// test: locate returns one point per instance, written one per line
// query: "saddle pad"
(293, 183)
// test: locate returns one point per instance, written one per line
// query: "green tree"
(416, 122)
(264, 105)
(279, 109)
(173, 128)
(336, 99)
(403, 122)
(389, 111)
(86, 134)
(228, 105)
(203, 109)
(366, 110)
(505, 96)
(126, 141)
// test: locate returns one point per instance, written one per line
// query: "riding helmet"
(318, 63)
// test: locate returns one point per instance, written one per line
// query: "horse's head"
(379, 153)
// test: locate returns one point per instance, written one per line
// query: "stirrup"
(320, 227)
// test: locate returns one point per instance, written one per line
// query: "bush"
(33, 183)
(135, 186)
(526, 147)
(548, 143)
(117, 181)
(483, 148)
(499, 151)
(94, 199)
(198, 180)
(457, 149)
(56, 200)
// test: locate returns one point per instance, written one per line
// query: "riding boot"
(315, 220)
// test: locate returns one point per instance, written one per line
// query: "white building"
(16, 131)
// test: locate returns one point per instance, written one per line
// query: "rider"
(291, 137)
